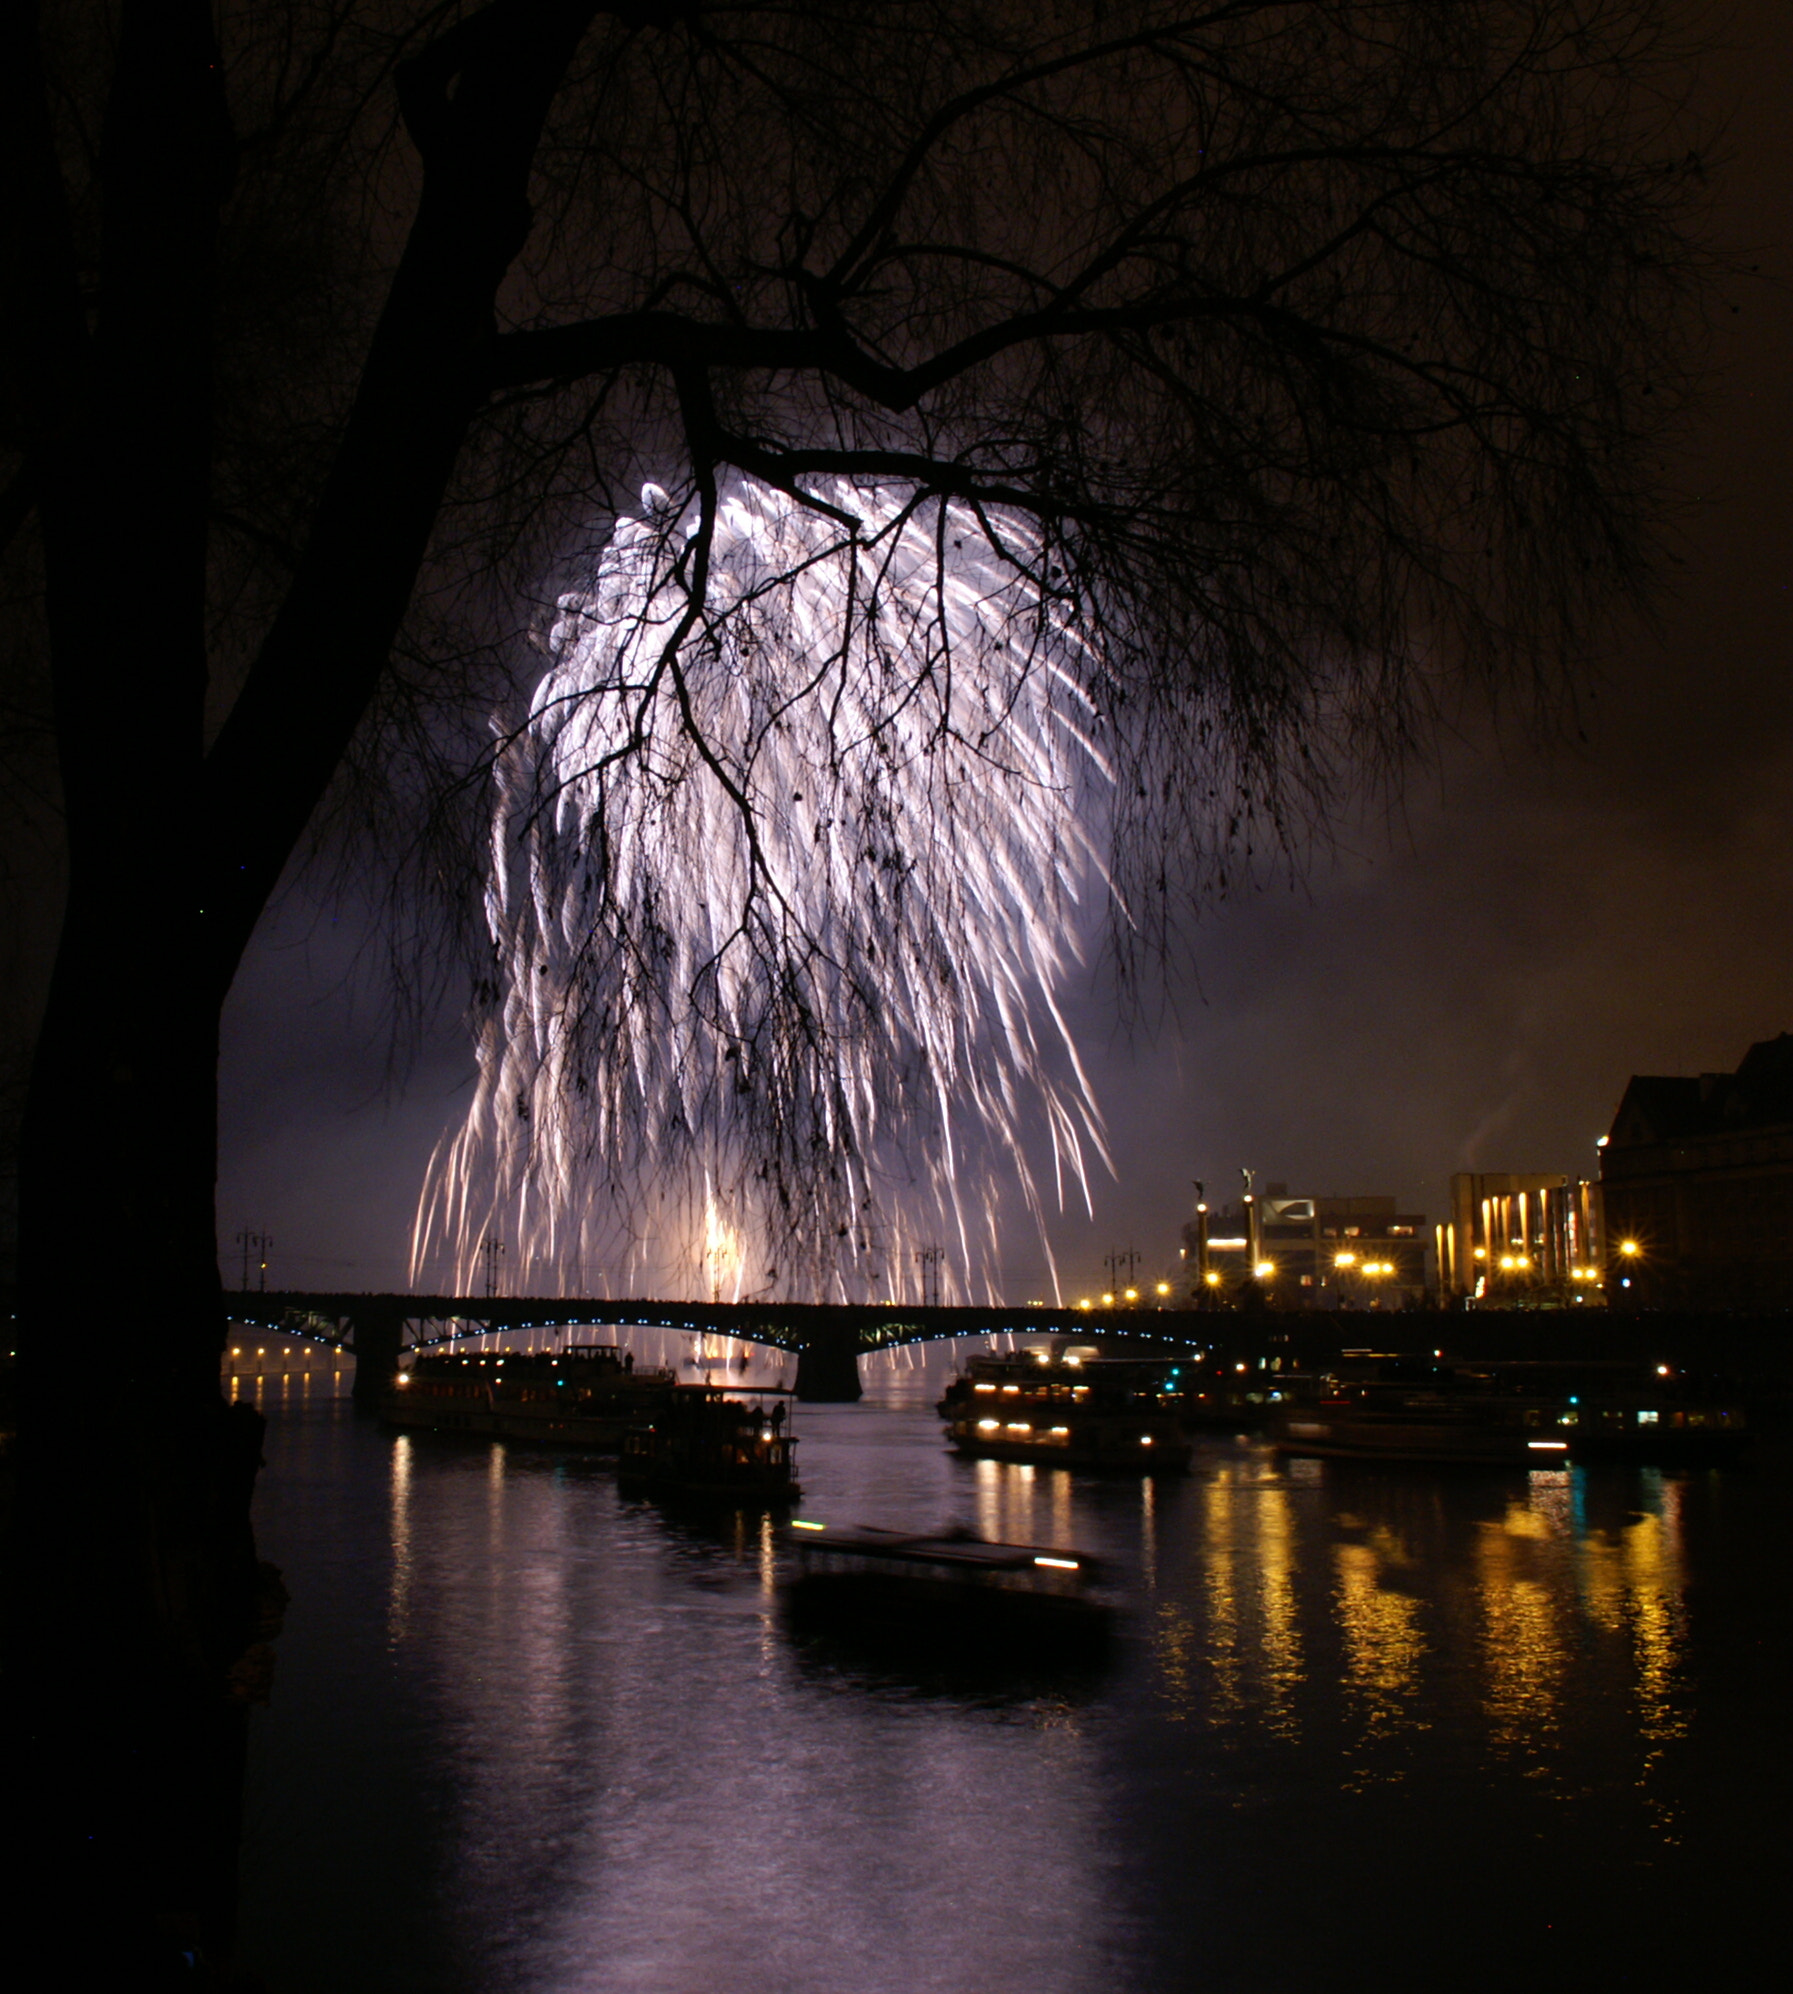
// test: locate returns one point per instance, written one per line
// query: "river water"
(1384, 1729)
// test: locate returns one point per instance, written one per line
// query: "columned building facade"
(1517, 1240)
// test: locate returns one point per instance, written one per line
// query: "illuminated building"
(1516, 1240)
(1315, 1253)
(1697, 1175)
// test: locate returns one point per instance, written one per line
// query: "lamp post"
(1630, 1255)
(1205, 1283)
(1254, 1230)
(1343, 1264)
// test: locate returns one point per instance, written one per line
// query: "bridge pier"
(828, 1365)
(379, 1337)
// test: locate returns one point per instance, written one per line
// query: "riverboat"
(1384, 1407)
(1200, 1390)
(704, 1443)
(957, 1589)
(582, 1395)
(1421, 1425)
(1112, 1414)
(1654, 1415)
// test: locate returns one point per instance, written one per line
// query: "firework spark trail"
(789, 865)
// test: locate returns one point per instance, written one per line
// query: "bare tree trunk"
(135, 1569)
(139, 1606)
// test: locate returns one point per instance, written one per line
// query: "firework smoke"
(789, 864)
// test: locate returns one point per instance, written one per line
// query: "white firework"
(790, 863)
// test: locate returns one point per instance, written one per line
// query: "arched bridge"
(828, 1339)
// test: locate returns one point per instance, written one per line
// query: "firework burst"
(790, 863)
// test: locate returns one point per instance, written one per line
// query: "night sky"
(1464, 983)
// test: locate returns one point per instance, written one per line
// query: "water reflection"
(644, 1802)
(1279, 1604)
(398, 1615)
(638, 1781)
(1524, 1654)
(1220, 1638)
(1383, 1644)
(1277, 1571)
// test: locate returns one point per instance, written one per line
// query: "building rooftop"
(1673, 1107)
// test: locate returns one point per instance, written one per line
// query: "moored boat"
(705, 1443)
(1104, 1415)
(1384, 1407)
(582, 1395)
(1655, 1415)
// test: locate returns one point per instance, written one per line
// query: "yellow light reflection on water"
(1555, 1634)
(398, 1612)
(495, 1494)
(1220, 1602)
(1524, 1644)
(1058, 1494)
(1630, 1582)
(1148, 1533)
(1653, 1576)
(770, 1644)
(1276, 1569)
(1175, 1658)
(1384, 1646)
(1019, 1504)
(1231, 1653)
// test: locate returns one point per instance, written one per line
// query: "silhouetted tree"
(1326, 345)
